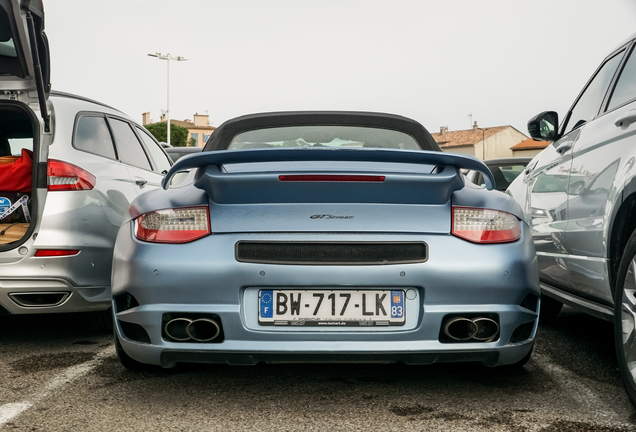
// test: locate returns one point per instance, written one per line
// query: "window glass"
(551, 183)
(479, 180)
(9, 61)
(511, 172)
(92, 136)
(195, 137)
(505, 174)
(625, 89)
(588, 104)
(128, 146)
(17, 144)
(162, 165)
(206, 137)
(323, 136)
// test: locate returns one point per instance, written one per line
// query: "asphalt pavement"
(56, 374)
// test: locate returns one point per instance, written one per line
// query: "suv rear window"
(91, 135)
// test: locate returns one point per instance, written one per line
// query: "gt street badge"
(328, 216)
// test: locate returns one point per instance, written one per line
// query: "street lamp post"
(168, 57)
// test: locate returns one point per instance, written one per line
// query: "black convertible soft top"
(223, 135)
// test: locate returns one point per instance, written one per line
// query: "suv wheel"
(625, 318)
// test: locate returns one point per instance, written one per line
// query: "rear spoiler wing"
(326, 154)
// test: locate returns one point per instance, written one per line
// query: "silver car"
(579, 196)
(69, 168)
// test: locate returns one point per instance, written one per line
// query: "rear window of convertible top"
(323, 136)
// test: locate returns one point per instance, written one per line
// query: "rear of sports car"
(338, 257)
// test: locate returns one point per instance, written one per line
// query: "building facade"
(483, 143)
(199, 129)
(529, 148)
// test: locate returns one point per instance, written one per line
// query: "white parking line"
(8, 411)
(12, 410)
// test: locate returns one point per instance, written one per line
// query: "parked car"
(178, 152)
(579, 195)
(332, 237)
(504, 171)
(68, 172)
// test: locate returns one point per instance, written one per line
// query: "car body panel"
(85, 220)
(250, 200)
(227, 288)
(574, 233)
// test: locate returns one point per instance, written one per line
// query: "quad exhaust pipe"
(479, 329)
(199, 330)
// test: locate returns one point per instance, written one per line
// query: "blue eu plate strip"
(267, 303)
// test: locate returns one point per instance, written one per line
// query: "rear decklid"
(24, 53)
(326, 190)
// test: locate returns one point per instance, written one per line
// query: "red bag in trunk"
(15, 175)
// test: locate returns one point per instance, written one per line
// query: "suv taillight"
(180, 225)
(64, 176)
(484, 225)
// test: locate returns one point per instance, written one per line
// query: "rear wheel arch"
(621, 228)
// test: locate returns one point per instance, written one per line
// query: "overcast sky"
(436, 61)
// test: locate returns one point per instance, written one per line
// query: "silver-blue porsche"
(324, 236)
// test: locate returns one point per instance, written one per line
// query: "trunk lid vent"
(331, 253)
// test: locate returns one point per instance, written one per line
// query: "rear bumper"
(247, 347)
(203, 277)
(171, 357)
(20, 296)
(70, 220)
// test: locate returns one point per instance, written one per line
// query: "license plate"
(331, 308)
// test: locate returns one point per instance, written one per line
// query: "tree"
(178, 134)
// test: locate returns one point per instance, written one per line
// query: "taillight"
(484, 225)
(180, 225)
(64, 176)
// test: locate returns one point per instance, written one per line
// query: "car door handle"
(563, 147)
(140, 181)
(626, 119)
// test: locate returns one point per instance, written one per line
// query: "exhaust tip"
(460, 329)
(177, 329)
(203, 330)
(192, 327)
(487, 329)
(470, 327)
(40, 299)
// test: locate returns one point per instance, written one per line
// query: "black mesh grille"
(325, 253)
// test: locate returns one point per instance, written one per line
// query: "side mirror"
(543, 127)
(575, 188)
